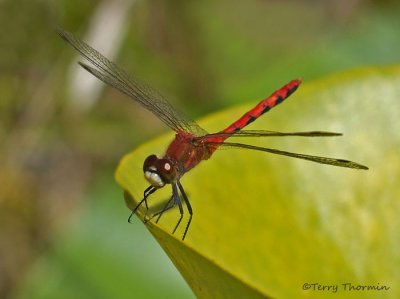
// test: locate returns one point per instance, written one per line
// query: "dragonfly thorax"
(159, 172)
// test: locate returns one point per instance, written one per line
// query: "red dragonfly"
(192, 144)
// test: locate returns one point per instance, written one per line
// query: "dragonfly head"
(159, 172)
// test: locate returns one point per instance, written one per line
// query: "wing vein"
(317, 159)
(113, 75)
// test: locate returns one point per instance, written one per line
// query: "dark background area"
(63, 228)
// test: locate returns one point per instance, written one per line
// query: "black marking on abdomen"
(291, 90)
(265, 109)
(279, 100)
(251, 119)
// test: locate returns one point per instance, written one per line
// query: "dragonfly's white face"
(159, 172)
(154, 178)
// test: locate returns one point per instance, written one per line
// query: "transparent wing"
(113, 75)
(266, 133)
(317, 159)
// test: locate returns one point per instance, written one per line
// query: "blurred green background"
(63, 222)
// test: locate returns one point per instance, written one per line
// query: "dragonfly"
(192, 144)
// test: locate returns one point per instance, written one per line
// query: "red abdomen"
(264, 106)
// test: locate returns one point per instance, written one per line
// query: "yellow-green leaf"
(265, 225)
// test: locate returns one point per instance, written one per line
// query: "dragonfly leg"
(150, 190)
(189, 207)
(165, 208)
(175, 195)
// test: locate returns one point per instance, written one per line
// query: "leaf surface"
(265, 225)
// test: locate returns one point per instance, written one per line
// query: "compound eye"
(165, 166)
(167, 170)
(150, 162)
